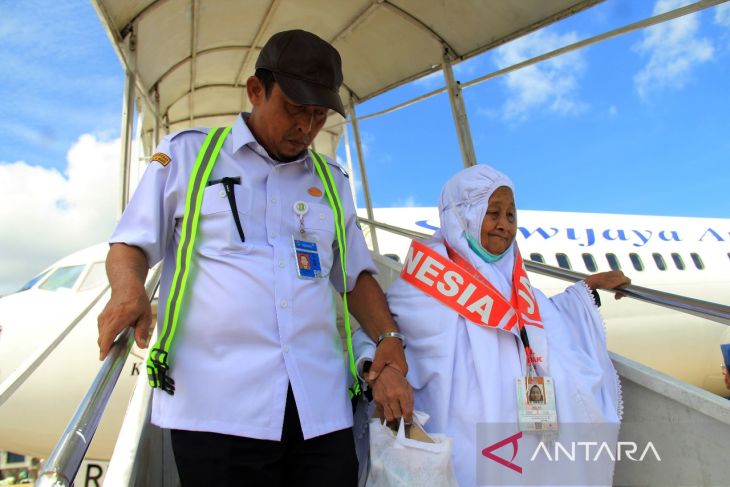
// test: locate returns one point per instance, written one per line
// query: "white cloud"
(722, 15)
(613, 111)
(45, 214)
(673, 49)
(552, 84)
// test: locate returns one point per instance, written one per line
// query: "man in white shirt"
(254, 389)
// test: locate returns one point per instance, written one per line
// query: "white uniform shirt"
(249, 325)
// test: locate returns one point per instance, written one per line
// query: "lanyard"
(518, 265)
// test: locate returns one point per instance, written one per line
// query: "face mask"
(483, 253)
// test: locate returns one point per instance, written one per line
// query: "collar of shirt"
(241, 136)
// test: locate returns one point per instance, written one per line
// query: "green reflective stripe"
(333, 196)
(194, 198)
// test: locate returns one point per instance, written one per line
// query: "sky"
(639, 124)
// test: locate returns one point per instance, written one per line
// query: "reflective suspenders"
(330, 189)
(158, 362)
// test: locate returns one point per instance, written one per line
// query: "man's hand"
(126, 267)
(608, 280)
(368, 305)
(393, 393)
(131, 308)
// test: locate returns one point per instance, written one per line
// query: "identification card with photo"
(307, 259)
(536, 409)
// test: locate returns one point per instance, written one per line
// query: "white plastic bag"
(397, 461)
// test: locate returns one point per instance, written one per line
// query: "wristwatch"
(392, 334)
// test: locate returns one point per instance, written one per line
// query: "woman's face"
(535, 394)
(500, 223)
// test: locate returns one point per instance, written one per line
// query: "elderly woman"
(479, 337)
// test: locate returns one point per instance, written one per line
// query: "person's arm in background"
(386, 376)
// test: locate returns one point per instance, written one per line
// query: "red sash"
(455, 283)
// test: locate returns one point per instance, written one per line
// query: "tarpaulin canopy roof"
(192, 57)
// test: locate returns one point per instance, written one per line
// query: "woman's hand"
(608, 280)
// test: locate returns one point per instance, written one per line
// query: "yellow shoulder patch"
(162, 158)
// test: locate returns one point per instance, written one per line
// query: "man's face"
(284, 127)
(500, 222)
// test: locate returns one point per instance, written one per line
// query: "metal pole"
(348, 156)
(63, 464)
(126, 155)
(156, 133)
(363, 175)
(459, 111)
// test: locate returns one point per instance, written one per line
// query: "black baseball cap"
(307, 68)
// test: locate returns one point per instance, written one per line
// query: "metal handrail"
(697, 307)
(62, 465)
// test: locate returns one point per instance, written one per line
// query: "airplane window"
(613, 262)
(15, 458)
(659, 260)
(563, 261)
(678, 261)
(636, 260)
(63, 277)
(590, 262)
(95, 277)
(697, 260)
(538, 258)
(33, 281)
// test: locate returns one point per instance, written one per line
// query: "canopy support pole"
(458, 110)
(126, 136)
(348, 156)
(363, 174)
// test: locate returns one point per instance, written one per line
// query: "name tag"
(307, 259)
(536, 404)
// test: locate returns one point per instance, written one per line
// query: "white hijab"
(463, 205)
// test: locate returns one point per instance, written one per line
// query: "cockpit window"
(538, 257)
(62, 278)
(33, 281)
(95, 277)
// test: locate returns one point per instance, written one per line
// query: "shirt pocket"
(217, 231)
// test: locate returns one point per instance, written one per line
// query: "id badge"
(536, 409)
(307, 259)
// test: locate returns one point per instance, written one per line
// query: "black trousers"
(223, 460)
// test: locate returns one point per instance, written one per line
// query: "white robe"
(463, 374)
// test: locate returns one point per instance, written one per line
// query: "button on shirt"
(249, 326)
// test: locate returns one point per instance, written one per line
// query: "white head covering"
(463, 205)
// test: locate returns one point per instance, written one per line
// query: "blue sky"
(639, 124)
